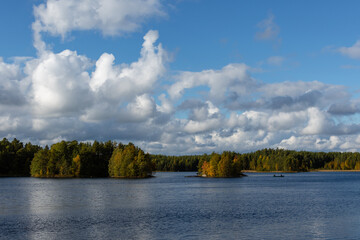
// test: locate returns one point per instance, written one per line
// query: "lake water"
(171, 206)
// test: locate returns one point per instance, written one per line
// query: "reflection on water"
(65, 205)
(170, 206)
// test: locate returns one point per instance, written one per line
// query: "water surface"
(171, 206)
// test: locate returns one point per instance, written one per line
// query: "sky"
(182, 76)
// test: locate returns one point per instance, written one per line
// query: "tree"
(73, 159)
(38, 167)
(76, 166)
(130, 162)
(225, 165)
(228, 164)
(214, 161)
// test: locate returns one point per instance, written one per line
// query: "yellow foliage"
(342, 165)
(357, 166)
(77, 165)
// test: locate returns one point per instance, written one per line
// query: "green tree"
(225, 165)
(38, 167)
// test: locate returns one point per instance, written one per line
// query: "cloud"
(275, 60)
(287, 103)
(204, 117)
(351, 52)
(284, 96)
(231, 80)
(10, 86)
(300, 95)
(116, 87)
(344, 108)
(318, 122)
(66, 95)
(8, 124)
(270, 111)
(140, 110)
(166, 106)
(111, 17)
(202, 126)
(58, 97)
(292, 89)
(123, 82)
(200, 110)
(286, 121)
(313, 143)
(268, 29)
(60, 83)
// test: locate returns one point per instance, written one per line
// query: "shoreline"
(313, 170)
(325, 170)
(255, 171)
(154, 174)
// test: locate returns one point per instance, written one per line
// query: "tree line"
(16, 157)
(111, 159)
(73, 159)
(186, 163)
(299, 161)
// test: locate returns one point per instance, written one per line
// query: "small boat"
(279, 175)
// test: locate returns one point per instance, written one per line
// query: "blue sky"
(180, 77)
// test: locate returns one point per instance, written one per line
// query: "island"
(130, 162)
(225, 165)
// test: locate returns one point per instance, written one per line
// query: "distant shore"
(254, 171)
(314, 170)
(324, 170)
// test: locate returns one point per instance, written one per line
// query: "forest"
(73, 159)
(111, 159)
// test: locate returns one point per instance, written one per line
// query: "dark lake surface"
(314, 205)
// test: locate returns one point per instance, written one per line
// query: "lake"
(315, 205)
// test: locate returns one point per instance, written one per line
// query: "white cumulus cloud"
(231, 79)
(117, 86)
(111, 17)
(123, 82)
(318, 122)
(60, 83)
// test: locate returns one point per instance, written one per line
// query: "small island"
(226, 165)
(130, 162)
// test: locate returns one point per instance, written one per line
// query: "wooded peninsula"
(111, 159)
